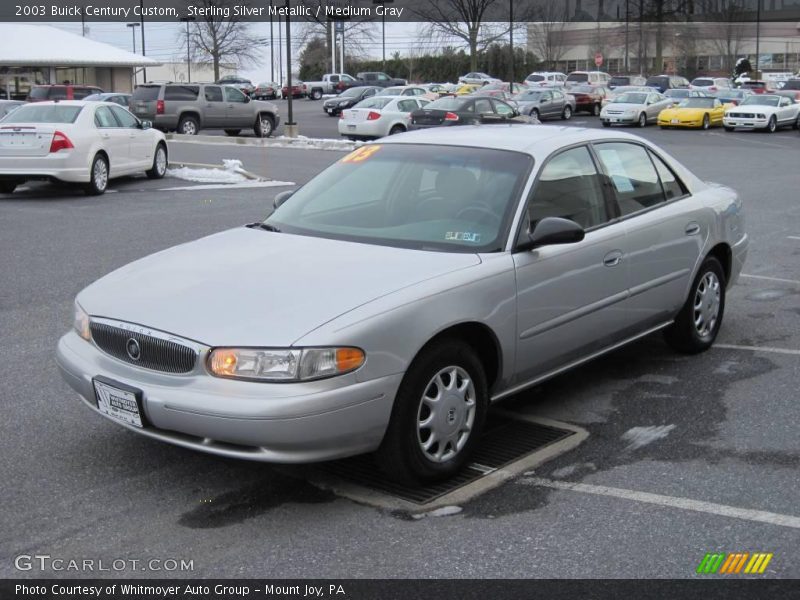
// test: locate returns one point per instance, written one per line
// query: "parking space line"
(713, 508)
(793, 237)
(764, 277)
(758, 349)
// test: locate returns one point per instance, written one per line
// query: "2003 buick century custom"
(393, 297)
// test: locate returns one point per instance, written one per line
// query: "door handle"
(105, 136)
(692, 228)
(613, 258)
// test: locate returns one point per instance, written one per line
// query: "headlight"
(81, 323)
(343, 103)
(284, 364)
(760, 116)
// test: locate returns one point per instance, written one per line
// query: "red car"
(588, 98)
(42, 93)
(297, 90)
(757, 87)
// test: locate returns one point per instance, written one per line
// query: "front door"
(238, 113)
(569, 297)
(215, 108)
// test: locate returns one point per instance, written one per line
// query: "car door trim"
(574, 315)
(658, 282)
(576, 363)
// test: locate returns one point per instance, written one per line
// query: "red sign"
(598, 59)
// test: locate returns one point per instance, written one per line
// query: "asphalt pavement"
(685, 455)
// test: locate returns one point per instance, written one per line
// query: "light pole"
(271, 46)
(290, 129)
(188, 20)
(144, 53)
(383, 27)
(758, 40)
(133, 27)
(511, 44)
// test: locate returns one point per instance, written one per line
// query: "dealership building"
(41, 54)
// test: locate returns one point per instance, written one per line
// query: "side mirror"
(552, 230)
(246, 98)
(145, 124)
(281, 198)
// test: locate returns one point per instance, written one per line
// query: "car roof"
(536, 140)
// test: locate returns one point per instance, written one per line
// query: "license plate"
(119, 401)
(330, 111)
(615, 120)
(674, 121)
(351, 127)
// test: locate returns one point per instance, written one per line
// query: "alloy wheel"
(446, 414)
(707, 304)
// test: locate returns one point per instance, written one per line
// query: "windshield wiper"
(264, 226)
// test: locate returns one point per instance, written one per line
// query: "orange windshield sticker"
(361, 154)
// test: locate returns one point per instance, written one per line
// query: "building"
(177, 71)
(40, 54)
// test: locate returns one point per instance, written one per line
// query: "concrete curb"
(191, 165)
(299, 143)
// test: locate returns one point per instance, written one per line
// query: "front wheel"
(772, 126)
(7, 187)
(796, 124)
(706, 121)
(596, 110)
(567, 113)
(606, 124)
(98, 176)
(699, 321)
(534, 114)
(159, 168)
(642, 120)
(726, 128)
(438, 414)
(264, 126)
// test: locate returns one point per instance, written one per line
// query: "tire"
(534, 114)
(566, 114)
(159, 168)
(233, 132)
(796, 124)
(726, 128)
(188, 126)
(264, 126)
(642, 120)
(316, 95)
(685, 334)
(663, 127)
(397, 129)
(772, 126)
(460, 414)
(8, 187)
(596, 110)
(606, 124)
(706, 122)
(98, 176)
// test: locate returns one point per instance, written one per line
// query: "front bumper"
(282, 423)
(681, 123)
(745, 123)
(619, 119)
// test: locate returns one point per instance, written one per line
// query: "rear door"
(238, 112)
(140, 149)
(114, 139)
(215, 106)
(484, 107)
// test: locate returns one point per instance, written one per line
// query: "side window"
(547, 97)
(482, 105)
(423, 102)
(103, 117)
(382, 77)
(234, 95)
(125, 118)
(557, 95)
(504, 110)
(212, 93)
(673, 187)
(633, 177)
(370, 92)
(334, 79)
(569, 187)
(181, 92)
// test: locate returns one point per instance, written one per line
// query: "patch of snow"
(231, 173)
(637, 437)
(247, 183)
(313, 143)
(444, 511)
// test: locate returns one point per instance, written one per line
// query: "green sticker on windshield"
(462, 236)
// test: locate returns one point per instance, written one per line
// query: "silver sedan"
(638, 108)
(387, 302)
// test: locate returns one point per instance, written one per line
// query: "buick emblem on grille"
(133, 349)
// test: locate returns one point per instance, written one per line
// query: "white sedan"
(379, 116)
(763, 111)
(77, 141)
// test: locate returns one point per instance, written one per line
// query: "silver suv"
(189, 107)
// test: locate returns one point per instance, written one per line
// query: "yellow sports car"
(700, 113)
(467, 88)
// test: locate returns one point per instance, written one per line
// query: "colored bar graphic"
(734, 563)
(710, 563)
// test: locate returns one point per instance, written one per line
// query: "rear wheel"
(438, 414)
(396, 129)
(159, 168)
(188, 125)
(596, 110)
(98, 176)
(706, 122)
(698, 323)
(8, 187)
(535, 113)
(796, 124)
(772, 125)
(264, 126)
(316, 94)
(642, 120)
(566, 114)
(232, 132)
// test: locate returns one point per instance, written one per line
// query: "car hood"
(250, 287)
(624, 106)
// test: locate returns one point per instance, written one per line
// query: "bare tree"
(215, 38)
(547, 35)
(728, 31)
(464, 20)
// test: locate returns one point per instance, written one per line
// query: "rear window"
(146, 93)
(657, 81)
(79, 93)
(181, 92)
(619, 81)
(535, 78)
(703, 82)
(578, 77)
(38, 113)
(41, 93)
(376, 102)
(792, 84)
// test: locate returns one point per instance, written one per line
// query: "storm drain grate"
(505, 440)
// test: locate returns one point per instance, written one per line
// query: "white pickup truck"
(332, 83)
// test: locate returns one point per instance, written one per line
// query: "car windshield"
(677, 93)
(697, 103)
(529, 95)
(446, 104)
(94, 97)
(391, 91)
(761, 101)
(374, 102)
(631, 98)
(39, 93)
(351, 92)
(535, 78)
(44, 113)
(420, 196)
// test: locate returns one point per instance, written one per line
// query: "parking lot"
(684, 455)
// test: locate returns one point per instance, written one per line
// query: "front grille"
(737, 115)
(155, 353)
